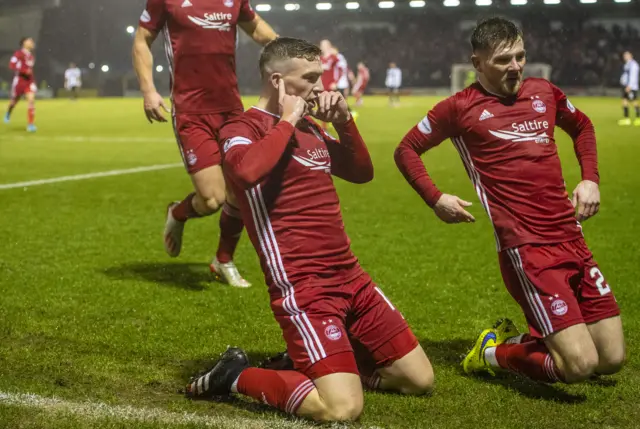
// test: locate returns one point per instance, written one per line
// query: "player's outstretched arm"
(586, 196)
(143, 65)
(350, 158)
(259, 30)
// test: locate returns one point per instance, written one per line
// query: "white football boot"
(173, 230)
(228, 273)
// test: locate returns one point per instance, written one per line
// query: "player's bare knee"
(418, 384)
(346, 410)
(580, 368)
(612, 362)
(209, 203)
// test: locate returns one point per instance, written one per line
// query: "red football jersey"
(22, 63)
(363, 76)
(292, 214)
(508, 148)
(200, 42)
(329, 70)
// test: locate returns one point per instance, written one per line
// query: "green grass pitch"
(93, 311)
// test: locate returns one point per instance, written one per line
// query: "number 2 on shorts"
(595, 271)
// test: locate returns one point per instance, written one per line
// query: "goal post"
(463, 75)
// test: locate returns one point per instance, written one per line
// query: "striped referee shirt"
(630, 75)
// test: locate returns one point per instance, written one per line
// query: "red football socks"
(231, 226)
(520, 339)
(184, 210)
(530, 359)
(284, 390)
(31, 114)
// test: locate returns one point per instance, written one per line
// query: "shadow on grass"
(182, 275)
(451, 352)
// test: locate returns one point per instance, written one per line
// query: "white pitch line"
(88, 176)
(100, 410)
(93, 139)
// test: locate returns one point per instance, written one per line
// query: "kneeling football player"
(280, 164)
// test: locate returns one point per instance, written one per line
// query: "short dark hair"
(284, 48)
(493, 32)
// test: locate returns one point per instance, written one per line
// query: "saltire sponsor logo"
(213, 21)
(518, 137)
(313, 164)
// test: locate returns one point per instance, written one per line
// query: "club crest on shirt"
(539, 106)
(228, 3)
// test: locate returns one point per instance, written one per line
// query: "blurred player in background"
(629, 81)
(361, 82)
(280, 163)
(342, 75)
(200, 42)
(24, 84)
(329, 61)
(503, 128)
(393, 82)
(73, 80)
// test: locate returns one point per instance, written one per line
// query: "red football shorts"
(557, 285)
(197, 137)
(22, 87)
(318, 323)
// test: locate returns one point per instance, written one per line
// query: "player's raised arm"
(258, 29)
(437, 126)
(151, 22)
(586, 196)
(350, 159)
(248, 161)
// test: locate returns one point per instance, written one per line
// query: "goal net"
(463, 75)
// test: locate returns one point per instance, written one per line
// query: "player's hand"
(292, 107)
(586, 199)
(153, 105)
(450, 209)
(331, 107)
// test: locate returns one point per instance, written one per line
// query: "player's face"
(626, 56)
(326, 47)
(503, 68)
(29, 44)
(303, 79)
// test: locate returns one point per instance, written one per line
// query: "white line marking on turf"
(94, 139)
(100, 410)
(88, 176)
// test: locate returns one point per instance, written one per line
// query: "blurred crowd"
(580, 54)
